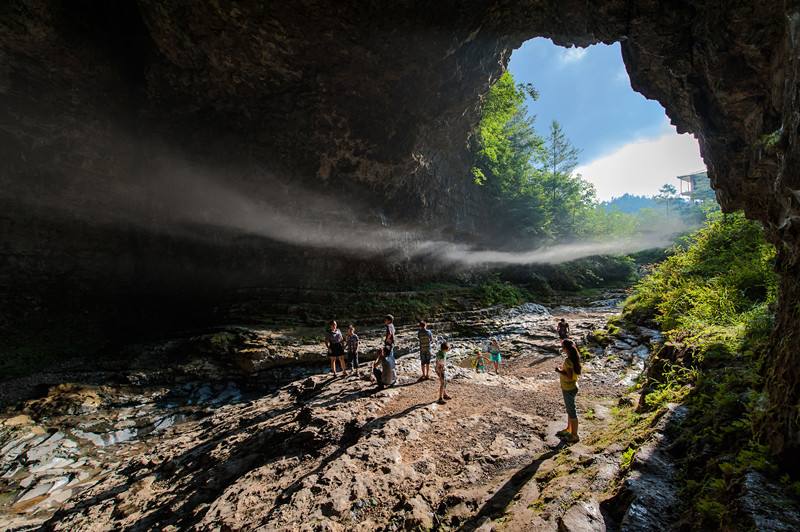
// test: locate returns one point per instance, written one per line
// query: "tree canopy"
(534, 195)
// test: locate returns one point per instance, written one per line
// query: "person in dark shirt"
(563, 329)
(334, 341)
(425, 342)
(352, 348)
(388, 339)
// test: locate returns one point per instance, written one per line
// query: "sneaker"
(441, 401)
(447, 397)
(421, 379)
(572, 439)
(562, 433)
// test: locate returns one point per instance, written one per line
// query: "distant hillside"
(630, 204)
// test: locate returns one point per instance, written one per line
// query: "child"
(563, 329)
(568, 374)
(494, 355)
(441, 362)
(425, 341)
(383, 368)
(480, 362)
(388, 339)
(352, 348)
(334, 342)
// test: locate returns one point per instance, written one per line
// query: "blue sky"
(626, 141)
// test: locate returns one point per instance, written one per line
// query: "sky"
(627, 143)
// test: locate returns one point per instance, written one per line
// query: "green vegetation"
(627, 458)
(534, 192)
(606, 271)
(713, 298)
(716, 287)
(497, 292)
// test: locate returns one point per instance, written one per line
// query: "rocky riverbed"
(312, 452)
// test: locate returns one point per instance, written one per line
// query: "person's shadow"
(497, 503)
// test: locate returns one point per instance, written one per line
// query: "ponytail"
(573, 355)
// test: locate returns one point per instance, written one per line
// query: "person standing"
(334, 341)
(425, 342)
(563, 329)
(495, 356)
(441, 362)
(352, 348)
(388, 338)
(568, 374)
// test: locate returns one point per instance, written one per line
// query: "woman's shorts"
(337, 350)
(569, 402)
(495, 357)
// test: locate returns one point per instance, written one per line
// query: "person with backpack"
(568, 373)
(425, 337)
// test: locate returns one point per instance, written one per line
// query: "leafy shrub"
(627, 458)
(721, 279)
(713, 295)
(497, 292)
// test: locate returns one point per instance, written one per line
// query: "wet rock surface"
(102, 98)
(316, 452)
(292, 448)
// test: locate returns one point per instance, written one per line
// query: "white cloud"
(643, 166)
(572, 55)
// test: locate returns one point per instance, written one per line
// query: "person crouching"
(383, 368)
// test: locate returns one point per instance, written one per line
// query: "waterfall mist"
(186, 201)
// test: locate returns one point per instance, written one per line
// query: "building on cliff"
(696, 186)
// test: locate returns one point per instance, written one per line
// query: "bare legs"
(341, 365)
(572, 423)
(442, 384)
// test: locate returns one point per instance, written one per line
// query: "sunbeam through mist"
(185, 201)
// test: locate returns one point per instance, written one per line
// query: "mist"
(187, 201)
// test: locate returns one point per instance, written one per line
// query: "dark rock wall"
(370, 100)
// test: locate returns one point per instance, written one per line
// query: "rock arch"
(379, 95)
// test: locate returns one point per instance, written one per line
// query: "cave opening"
(168, 174)
(578, 133)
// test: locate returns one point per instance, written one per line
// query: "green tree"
(667, 195)
(506, 139)
(559, 159)
(505, 146)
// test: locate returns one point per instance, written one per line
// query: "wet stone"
(582, 517)
(39, 490)
(55, 462)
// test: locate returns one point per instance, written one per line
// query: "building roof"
(688, 177)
